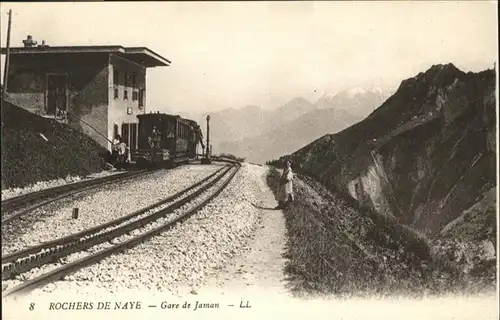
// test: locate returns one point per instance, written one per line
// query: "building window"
(134, 95)
(125, 133)
(141, 97)
(129, 135)
(125, 78)
(125, 94)
(116, 93)
(116, 77)
(133, 136)
(115, 131)
(133, 80)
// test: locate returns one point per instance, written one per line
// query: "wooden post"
(7, 57)
(207, 159)
(75, 213)
(208, 137)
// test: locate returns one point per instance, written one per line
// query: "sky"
(233, 54)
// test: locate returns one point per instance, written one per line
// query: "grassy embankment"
(27, 157)
(336, 247)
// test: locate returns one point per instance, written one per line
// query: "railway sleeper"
(80, 245)
(15, 269)
(6, 272)
(95, 240)
(148, 220)
(69, 248)
(44, 257)
(135, 225)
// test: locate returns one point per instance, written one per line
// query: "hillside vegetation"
(28, 158)
(337, 247)
(424, 159)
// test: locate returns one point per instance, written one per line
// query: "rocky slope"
(425, 157)
(38, 149)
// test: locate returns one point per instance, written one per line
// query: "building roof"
(141, 55)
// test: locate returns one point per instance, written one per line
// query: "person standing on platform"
(114, 149)
(122, 155)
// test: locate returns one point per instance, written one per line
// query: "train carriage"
(166, 139)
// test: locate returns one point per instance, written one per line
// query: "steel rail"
(56, 193)
(56, 249)
(72, 267)
(72, 237)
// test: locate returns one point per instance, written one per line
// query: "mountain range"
(259, 134)
(425, 157)
(356, 101)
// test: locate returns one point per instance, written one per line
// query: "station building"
(98, 90)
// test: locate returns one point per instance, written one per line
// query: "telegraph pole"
(208, 136)
(207, 159)
(7, 57)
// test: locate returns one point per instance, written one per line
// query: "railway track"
(18, 206)
(114, 236)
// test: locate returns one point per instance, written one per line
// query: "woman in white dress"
(286, 187)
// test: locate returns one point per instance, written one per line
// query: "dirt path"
(260, 270)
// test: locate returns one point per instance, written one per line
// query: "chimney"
(29, 43)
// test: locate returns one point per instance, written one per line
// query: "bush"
(336, 247)
(231, 156)
(275, 163)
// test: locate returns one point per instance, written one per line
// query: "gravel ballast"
(54, 221)
(118, 239)
(184, 256)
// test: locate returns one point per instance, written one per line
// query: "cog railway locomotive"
(165, 139)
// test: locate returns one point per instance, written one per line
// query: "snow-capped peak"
(360, 90)
(355, 91)
(328, 95)
(352, 92)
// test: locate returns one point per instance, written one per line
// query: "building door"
(129, 135)
(56, 93)
(133, 136)
(125, 134)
